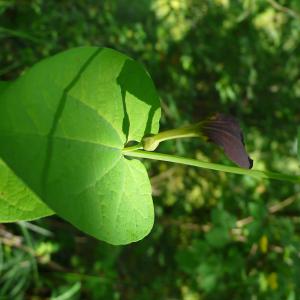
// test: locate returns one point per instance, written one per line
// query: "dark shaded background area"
(216, 236)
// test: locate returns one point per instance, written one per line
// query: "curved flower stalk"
(219, 129)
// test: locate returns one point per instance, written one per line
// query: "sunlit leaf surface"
(62, 128)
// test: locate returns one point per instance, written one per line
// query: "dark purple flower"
(226, 133)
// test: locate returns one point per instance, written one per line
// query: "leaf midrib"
(61, 137)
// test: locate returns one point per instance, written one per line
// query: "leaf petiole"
(212, 166)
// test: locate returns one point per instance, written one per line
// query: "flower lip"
(225, 132)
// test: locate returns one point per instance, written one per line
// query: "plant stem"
(150, 143)
(212, 166)
(187, 131)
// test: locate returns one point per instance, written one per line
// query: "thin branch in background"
(166, 110)
(10, 68)
(243, 222)
(274, 248)
(14, 241)
(163, 175)
(158, 179)
(272, 209)
(35, 228)
(19, 34)
(237, 231)
(283, 204)
(284, 9)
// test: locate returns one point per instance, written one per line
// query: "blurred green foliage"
(216, 236)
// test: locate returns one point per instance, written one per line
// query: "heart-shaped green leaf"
(17, 202)
(63, 126)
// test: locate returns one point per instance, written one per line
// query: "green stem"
(206, 165)
(187, 131)
(150, 143)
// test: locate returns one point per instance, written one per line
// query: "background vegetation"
(216, 236)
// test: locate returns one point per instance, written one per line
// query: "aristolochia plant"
(64, 127)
